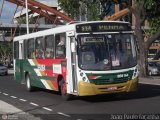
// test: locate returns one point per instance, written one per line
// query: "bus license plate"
(112, 88)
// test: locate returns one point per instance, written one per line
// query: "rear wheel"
(63, 90)
(28, 84)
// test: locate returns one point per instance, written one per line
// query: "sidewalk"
(154, 80)
(9, 112)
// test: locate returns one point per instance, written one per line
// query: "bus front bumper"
(87, 89)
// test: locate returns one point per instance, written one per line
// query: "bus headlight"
(81, 74)
(135, 73)
(84, 78)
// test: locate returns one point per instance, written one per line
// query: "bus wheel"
(28, 84)
(63, 90)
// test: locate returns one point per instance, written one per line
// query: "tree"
(76, 8)
(93, 9)
(5, 52)
(70, 7)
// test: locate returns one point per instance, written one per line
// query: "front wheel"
(28, 84)
(63, 90)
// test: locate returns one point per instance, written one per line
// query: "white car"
(3, 69)
(153, 68)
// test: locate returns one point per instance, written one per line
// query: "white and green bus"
(83, 59)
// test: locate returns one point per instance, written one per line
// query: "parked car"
(154, 68)
(3, 69)
(10, 65)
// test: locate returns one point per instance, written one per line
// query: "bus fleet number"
(41, 67)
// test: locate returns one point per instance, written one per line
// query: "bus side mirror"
(73, 47)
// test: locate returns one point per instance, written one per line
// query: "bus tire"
(63, 90)
(28, 83)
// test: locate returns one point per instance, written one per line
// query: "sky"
(8, 11)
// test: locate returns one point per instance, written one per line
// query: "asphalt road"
(49, 105)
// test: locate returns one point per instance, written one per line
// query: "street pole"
(27, 23)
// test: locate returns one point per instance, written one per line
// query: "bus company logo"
(4, 117)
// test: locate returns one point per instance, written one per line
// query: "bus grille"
(109, 81)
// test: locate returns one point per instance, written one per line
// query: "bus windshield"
(106, 51)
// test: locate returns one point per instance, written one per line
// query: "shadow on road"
(144, 91)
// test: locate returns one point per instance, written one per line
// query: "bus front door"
(73, 63)
(71, 66)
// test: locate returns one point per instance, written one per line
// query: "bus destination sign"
(102, 27)
(93, 40)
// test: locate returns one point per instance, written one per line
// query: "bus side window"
(25, 49)
(39, 47)
(60, 45)
(31, 52)
(49, 47)
(16, 50)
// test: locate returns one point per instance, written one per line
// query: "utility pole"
(27, 23)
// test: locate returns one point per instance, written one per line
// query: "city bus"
(78, 59)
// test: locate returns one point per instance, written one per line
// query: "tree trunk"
(142, 62)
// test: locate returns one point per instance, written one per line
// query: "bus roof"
(60, 29)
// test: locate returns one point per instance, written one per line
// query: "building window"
(25, 48)
(16, 50)
(31, 52)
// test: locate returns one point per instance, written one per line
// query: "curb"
(150, 80)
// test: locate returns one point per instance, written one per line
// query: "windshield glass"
(1, 64)
(106, 52)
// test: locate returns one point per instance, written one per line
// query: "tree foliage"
(5, 51)
(153, 10)
(71, 7)
(95, 9)
(74, 8)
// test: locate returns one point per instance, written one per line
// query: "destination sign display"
(93, 40)
(102, 27)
